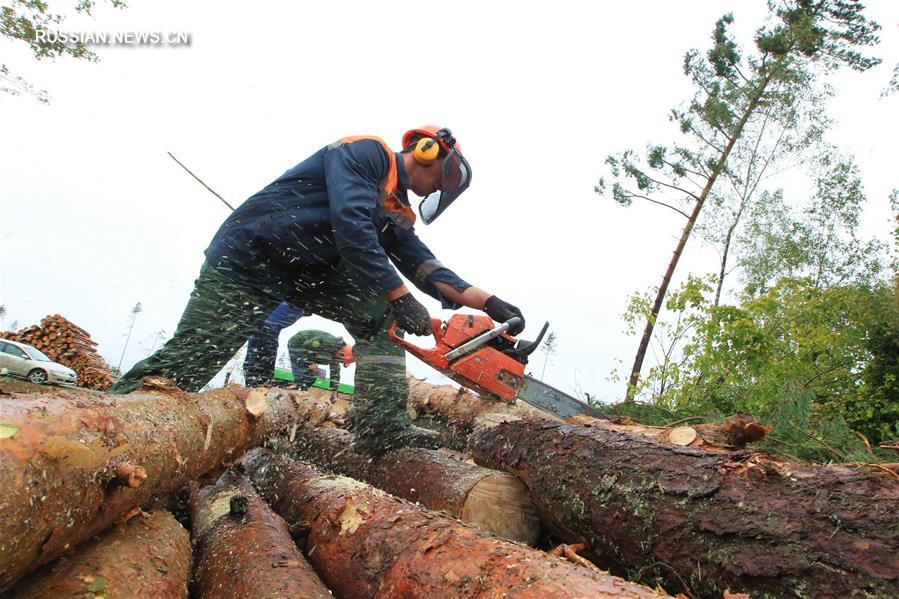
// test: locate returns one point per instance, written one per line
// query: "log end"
(256, 402)
(500, 503)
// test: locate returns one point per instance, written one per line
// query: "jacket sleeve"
(418, 264)
(353, 172)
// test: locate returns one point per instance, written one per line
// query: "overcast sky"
(96, 217)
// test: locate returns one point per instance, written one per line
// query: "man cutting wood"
(323, 236)
(310, 349)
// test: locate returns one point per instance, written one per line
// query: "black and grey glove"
(411, 316)
(501, 311)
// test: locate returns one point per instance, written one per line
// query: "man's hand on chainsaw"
(501, 311)
(410, 315)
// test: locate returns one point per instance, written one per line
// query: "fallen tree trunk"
(243, 549)
(491, 500)
(73, 462)
(706, 521)
(464, 411)
(147, 557)
(456, 412)
(365, 543)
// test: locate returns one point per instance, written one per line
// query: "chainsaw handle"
(419, 352)
(483, 338)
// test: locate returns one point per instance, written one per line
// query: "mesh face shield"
(456, 177)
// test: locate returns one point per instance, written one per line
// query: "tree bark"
(365, 543)
(491, 500)
(702, 521)
(77, 461)
(463, 408)
(147, 557)
(243, 550)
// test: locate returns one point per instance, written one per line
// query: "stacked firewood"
(65, 342)
(693, 510)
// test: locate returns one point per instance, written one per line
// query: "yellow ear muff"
(426, 151)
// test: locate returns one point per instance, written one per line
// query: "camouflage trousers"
(221, 314)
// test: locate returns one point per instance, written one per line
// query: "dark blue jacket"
(322, 215)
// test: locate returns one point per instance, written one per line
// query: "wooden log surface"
(147, 557)
(489, 499)
(243, 550)
(69, 459)
(465, 411)
(365, 543)
(703, 521)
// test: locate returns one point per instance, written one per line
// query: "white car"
(18, 359)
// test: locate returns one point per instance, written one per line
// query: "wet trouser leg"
(262, 346)
(378, 417)
(219, 317)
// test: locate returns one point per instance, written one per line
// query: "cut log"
(464, 409)
(491, 500)
(704, 521)
(76, 461)
(365, 543)
(147, 557)
(243, 550)
(734, 432)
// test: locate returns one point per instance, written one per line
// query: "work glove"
(410, 315)
(501, 311)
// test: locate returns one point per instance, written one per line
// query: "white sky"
(96, 217)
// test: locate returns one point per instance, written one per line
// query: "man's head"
(423, 179)
(436, 168)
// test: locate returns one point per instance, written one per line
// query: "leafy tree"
(21, 19)
(818, 239)
(771, 143)
(803, 40)
(688, 307)
(834, 345)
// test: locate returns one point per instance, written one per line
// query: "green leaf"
(7, 430)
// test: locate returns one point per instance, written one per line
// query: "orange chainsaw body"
(486, 369)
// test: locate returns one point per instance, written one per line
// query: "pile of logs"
(258, 478)
(70, 345)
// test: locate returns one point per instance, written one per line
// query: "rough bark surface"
(704, 521)
(491, 500)
(463, 408)
(72, 457)
(147, 557)
(365, 543)
(243, 550)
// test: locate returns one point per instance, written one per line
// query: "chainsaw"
(483, 357)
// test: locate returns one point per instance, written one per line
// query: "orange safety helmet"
(446, 141)
(456, 172)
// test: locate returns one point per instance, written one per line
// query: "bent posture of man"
(322, 236)
(309, 349)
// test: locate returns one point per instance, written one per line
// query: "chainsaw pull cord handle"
(483, 338)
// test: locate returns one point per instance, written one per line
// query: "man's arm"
(418, 264)
(473, 297)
